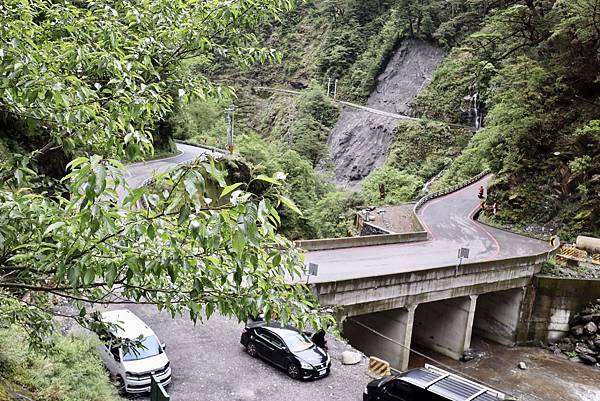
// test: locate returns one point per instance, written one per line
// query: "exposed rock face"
(360, 140)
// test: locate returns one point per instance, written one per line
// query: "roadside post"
(463, 253)
(157, 391)
(313, 270)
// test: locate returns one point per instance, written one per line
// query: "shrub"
(399, 186)
(71, 371)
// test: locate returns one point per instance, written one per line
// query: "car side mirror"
(164, 346)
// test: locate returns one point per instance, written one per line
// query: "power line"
(447, 367)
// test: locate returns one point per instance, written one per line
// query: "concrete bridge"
(410, 287)
(415, 293)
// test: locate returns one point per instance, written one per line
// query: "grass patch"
(71, 371)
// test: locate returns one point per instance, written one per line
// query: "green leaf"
(88, 277)
(184, 213)
(190, 186)
(19, 176)
(230, 188)
(150, 231)
(53, 227)
(111, 275)
(238, 241)
(210, 308)
(268, 179)
(80, 160)
(171, 269)
(289, 203)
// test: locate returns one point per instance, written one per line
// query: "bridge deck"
(448, 220)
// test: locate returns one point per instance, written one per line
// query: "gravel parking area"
(210, 364)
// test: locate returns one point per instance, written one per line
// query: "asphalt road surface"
(139, 172)
(448, 220)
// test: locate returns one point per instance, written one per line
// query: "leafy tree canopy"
(95, 78)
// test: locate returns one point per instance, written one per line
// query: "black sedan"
(287, 348)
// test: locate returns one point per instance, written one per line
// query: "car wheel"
(293, 371)
(251, 349)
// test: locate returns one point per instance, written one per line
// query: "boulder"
(596, 344)
(590, 360)
(577, 330)
(350, 358)
(581, 348)
(590, 328)
(566, 345)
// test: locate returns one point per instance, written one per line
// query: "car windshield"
(298, 342)
(147, 348)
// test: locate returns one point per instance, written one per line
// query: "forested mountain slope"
(351, 42)
(525, 72)
(533, 70)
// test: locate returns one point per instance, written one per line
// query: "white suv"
(132, 366)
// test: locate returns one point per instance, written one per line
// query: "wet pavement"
(548, 377)
(449, 223)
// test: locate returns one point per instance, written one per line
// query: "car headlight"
(305, 365)
(366, 390)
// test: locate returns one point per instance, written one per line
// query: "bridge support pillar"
(446, 326)
(386, 335)
(498, 315)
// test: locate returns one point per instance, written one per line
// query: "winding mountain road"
(447, 219)
(450, 225)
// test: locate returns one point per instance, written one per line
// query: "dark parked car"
(287, 348)
(429, 384)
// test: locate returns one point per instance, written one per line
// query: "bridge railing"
(449, 190)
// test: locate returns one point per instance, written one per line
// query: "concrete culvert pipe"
(589, 244)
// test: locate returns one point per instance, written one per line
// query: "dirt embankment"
(360, 140)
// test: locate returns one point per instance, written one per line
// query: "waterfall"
(432, 180)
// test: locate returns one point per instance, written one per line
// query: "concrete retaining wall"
(369, 240)
(371, 229)
(552, 303)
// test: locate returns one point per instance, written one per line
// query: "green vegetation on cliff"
(534, 69)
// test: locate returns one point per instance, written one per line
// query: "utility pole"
(335, 89)
(290, 134)
(229, 112)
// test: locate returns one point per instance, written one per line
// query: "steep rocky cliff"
(360, 140)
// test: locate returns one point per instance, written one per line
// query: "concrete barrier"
(589, 244)
(369, 240)
(378, 368)
(449, 190)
